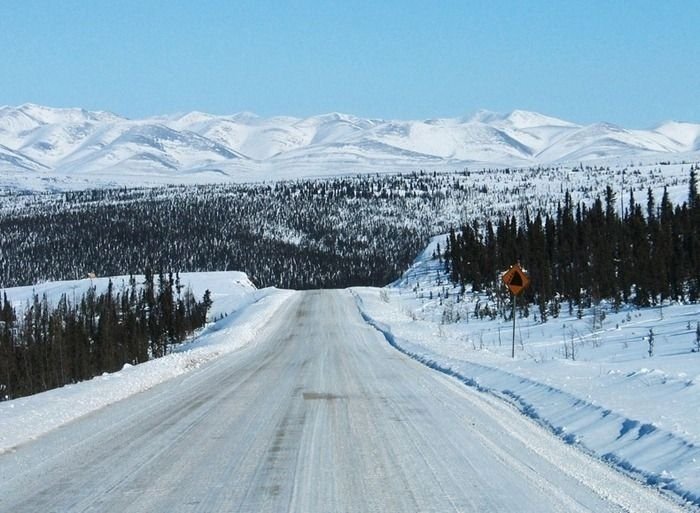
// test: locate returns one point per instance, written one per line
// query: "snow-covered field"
(240, 312)
(638, 412)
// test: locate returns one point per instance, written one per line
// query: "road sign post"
(517, 280)
(512, 347)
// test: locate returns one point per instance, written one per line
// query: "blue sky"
(632, 62)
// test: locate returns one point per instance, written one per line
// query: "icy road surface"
(322, 415)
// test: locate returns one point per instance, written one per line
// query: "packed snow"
(238, 315)
(590, 380)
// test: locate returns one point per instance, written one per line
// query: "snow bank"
(248, 312)
(657, 456)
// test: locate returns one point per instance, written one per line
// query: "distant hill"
(53, 144)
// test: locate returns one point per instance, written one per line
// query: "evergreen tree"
(590, 254)
(693, 196)
(52, 345)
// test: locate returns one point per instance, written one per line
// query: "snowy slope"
(247, 312)
(637, 412)
(11, 160)
(686, 134)
(75, 144)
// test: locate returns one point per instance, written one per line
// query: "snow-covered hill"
(101, 147)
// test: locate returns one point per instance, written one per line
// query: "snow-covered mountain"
(194, 146)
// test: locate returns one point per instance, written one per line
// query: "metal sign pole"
(512, 353)
(517, 280)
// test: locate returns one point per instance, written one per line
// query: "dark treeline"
(305, 234)
(316, 233)
(49, 345)
(581, 255)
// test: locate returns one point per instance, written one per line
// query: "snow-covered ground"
(320, 415)
(240, 312)
(637, 412)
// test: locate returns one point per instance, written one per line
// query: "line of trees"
(585, 254)
(318, 233)
(307, 234)
(47, 345)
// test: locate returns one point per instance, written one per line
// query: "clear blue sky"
(634, 62)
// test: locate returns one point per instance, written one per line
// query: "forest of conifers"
(581, 255)
(323, 233)
(46, 346)
(302, 234)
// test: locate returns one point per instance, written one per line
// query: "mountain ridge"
(68, 141)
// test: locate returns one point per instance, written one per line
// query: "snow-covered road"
(320, 416)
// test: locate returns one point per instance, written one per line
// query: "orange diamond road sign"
(516, 279)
